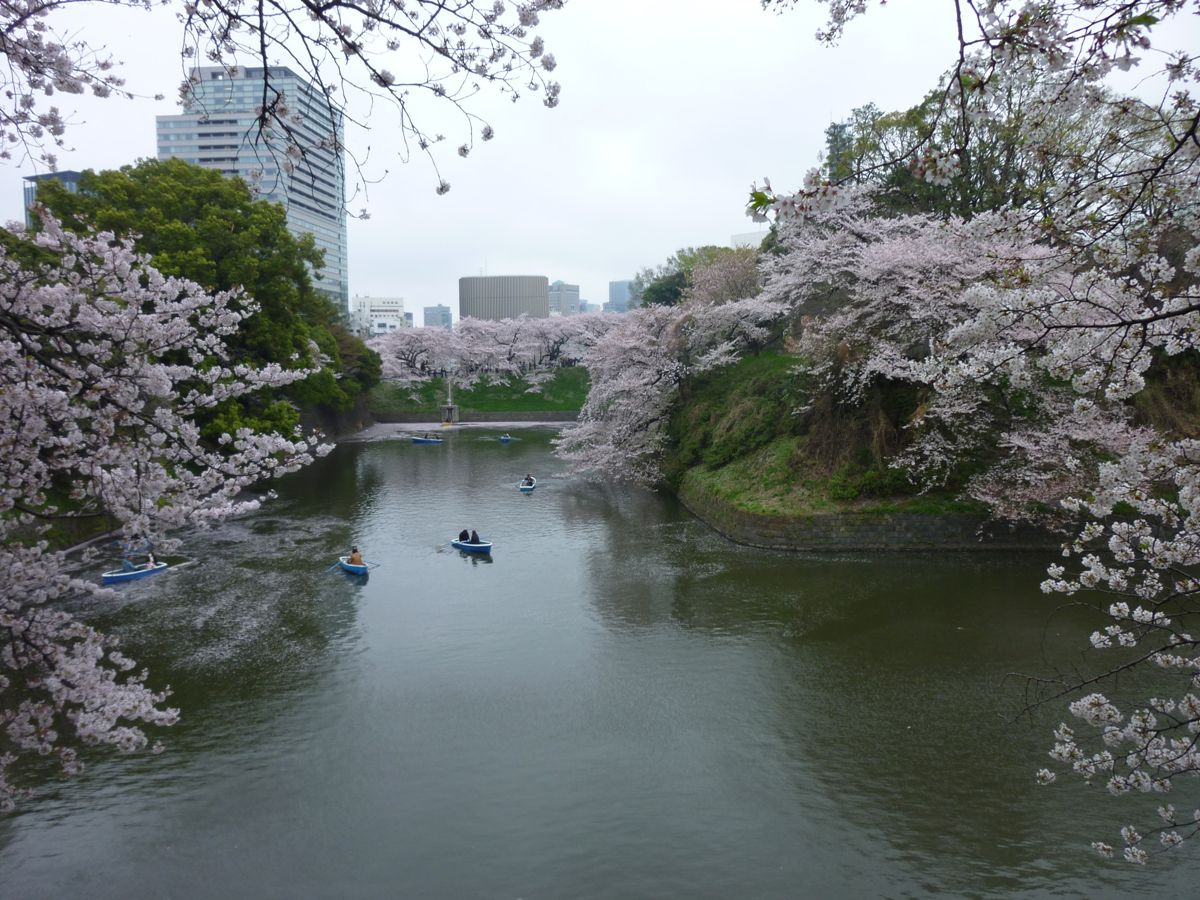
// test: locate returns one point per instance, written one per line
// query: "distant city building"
(69, 180)
(586, 306)
(748, 239)
(373, 316)
(504, 296)
(622, 296)
(564, 299)
(217, 130)
(439, 317)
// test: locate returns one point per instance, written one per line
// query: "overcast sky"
(669, 110)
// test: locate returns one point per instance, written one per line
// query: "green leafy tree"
(666, 290)
(997, 167)
(667, 285)
(196, 223)
(839, 151)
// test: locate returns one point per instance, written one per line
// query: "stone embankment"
(844, 532)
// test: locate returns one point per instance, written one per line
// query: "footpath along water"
(618, 703)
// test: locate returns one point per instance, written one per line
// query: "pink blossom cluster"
(530, 348)
(44, 60)
(636, 368)
(104, 363)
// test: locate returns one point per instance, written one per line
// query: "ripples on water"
(619, 703)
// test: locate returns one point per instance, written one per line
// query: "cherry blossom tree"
(104, 364)
(411, 356)
(732, 275)
(1101, 287)
(401, 53)
(524, 347)
(636, 370)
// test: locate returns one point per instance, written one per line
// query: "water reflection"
(880, 679)
(476, 559)
(629, 706)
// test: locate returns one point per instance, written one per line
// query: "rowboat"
(481, 547)
(426, 440)
(117, 576)
(504, 438)
(347, 566)
(527, 488)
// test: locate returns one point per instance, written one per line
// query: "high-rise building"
(564, 299)
(217, 130)
(504, 296)
(622, 297)
(373, 316)
(439, 317)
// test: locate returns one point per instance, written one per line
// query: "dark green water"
(620, 705)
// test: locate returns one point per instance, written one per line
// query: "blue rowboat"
(481, 547)
(426, 440)
(119, 576)
(347, 566)
(527, 488)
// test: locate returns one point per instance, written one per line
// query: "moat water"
(618, 704)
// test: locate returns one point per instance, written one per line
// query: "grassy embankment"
(755, 436)
(566, 392)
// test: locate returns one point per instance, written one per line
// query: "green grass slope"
(756, 436)
(565, 392)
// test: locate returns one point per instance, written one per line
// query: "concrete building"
(504, 296)
(564, 299)
(622, 296)
(217, 130)
(68, 179)
(439, 317)
(373, 316)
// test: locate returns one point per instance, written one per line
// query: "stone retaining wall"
(857, 532)
(338, 424)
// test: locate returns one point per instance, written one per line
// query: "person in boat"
(356, 557)
(464, 535)
(475, 537)
(150, 562)
(528, 480)
(127, 565)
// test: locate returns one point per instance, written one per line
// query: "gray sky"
(669, 110)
